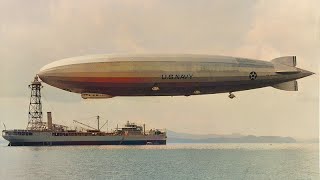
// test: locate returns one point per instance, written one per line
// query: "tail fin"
(285, 64)
(287, 86)
(286, 60)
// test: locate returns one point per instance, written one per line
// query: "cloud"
(34, 34)
(284, 28)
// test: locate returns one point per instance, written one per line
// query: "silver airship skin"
(106, 76)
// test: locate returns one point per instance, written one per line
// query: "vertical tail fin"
(285, 64)
(287, 86)
(286, 60)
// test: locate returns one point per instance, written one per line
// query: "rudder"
(285, 64)
(286, 60)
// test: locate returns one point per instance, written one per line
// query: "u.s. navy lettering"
(176, 76)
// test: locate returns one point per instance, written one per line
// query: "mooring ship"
(39, 133)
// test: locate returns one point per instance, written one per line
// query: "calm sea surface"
(172, 161)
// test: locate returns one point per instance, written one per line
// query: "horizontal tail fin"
(287, 86)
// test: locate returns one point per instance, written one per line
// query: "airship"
(107, 76)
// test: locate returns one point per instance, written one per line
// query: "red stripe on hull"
(112, 79)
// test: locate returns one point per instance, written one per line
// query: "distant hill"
(175, 137)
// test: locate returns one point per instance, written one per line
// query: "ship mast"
(35, 106)
(98, 119)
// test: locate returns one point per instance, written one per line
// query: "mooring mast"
(35, 107)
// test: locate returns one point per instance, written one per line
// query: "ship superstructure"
(39, 133)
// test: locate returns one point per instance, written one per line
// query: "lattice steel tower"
(35, 106)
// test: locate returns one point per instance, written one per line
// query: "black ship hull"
(72, 143)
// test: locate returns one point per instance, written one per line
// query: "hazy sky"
(35, 33)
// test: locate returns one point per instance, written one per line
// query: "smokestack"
(49, 121)
(144, 129)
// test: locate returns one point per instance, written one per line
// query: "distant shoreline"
(176, 137)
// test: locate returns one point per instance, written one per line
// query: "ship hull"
(49, 139)
(72, 143)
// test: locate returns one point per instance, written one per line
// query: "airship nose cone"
(43, 73)
(43, 79)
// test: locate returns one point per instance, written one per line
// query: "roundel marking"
(253, 75)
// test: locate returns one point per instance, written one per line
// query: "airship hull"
(163, 75)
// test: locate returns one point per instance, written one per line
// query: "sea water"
(171, 161)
